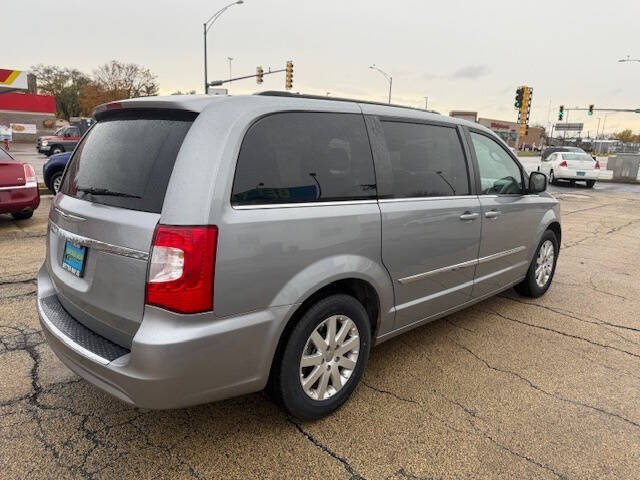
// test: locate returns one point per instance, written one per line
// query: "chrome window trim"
(98, 245)
(417, 199)
(302, 204)
(21, 187)
(458, 266)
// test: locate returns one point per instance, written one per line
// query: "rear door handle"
(493, 214)
(468, 216)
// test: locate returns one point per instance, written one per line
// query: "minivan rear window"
(298, 157)
(127, 158)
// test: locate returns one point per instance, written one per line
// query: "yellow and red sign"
(13, 79)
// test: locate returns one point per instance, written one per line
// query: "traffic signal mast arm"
(217, 83)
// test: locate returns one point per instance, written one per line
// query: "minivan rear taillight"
(182, 267)
(563, 163)
(29, 174)
(597, 165)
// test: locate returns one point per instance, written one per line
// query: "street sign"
(569, 127)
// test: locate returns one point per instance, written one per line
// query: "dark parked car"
(18, 187)
(53, 169)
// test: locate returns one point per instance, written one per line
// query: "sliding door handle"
(468, 216)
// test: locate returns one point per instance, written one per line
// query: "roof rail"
(279, 93)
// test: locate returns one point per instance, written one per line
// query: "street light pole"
(206, 27)
(230, 76)
(426, 102)
(386, 75)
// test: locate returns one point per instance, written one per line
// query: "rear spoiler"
(190, 103)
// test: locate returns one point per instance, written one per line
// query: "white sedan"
(571, 166)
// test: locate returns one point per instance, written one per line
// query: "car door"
(509, 216)
(430, 217)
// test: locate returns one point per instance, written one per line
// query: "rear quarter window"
(304, 157)
(128, 156)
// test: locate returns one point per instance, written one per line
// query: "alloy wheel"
(329, 357)
(544, 263)
(56, 183)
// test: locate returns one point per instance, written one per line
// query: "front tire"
(323, 358)
(542, 268)
(56, 149)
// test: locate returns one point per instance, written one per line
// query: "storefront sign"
(29, 128)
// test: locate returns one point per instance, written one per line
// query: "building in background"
(24, 115)
(28, 115)
(469, 116)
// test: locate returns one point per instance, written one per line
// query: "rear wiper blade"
(105, 192)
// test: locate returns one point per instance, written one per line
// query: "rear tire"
(552, 178)
(56, 149)
(286, 386)
(22, 215)
(590, 183)
(540, 269)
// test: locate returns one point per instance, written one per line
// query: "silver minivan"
(205, 247)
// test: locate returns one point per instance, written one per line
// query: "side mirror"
(537, 182)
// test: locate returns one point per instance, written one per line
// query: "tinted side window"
(304, 157)
(499, 173)
(426, 160)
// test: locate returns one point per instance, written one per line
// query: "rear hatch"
(102, 225)
(11, 172)
(579, 161)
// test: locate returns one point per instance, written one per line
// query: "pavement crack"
(545, 392)
(604, 292)
(348, 467)
(388, 392)
(564, 334)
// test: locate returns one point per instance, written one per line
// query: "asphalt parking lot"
(509, 388)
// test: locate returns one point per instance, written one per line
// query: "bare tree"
(131, 79)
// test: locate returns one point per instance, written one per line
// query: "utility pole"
(426, 102)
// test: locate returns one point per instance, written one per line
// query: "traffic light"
(590, 109)
(528, 94)
(519, 97)
(561, 112)
(259, 75)
(289, 80)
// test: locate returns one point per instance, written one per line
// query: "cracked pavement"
(510, 388)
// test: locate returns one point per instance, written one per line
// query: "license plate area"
(74, 258)
(580, 174)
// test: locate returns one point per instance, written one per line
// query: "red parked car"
(19, 194)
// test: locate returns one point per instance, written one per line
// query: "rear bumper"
(571, 174)
(171, 363)
(19, 199)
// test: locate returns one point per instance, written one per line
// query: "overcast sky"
(462, 55)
